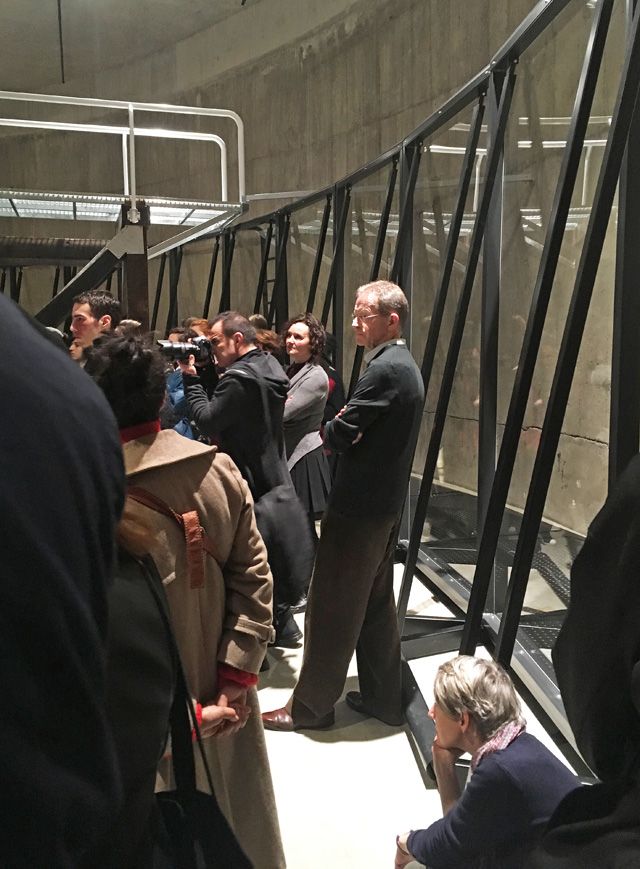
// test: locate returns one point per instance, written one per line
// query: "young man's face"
(85, 327)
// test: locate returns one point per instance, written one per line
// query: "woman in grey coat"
(304, 338)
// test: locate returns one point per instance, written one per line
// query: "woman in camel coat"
(220, 606)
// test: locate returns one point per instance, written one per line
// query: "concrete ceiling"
(97, 35)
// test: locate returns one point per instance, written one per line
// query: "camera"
(199, 348)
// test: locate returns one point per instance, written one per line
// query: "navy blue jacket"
(501, 813)
(386, 406)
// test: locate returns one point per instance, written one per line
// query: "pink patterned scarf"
(500, 739)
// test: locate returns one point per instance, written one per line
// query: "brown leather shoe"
(279, 719)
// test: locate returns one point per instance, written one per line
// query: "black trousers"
(351, 608)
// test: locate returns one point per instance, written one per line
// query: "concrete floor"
(344, 793)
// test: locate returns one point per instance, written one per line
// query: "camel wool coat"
(228, 620)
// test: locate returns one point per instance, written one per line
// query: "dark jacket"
(61, 494)
(336, 399)
(501, 812)
(141, 674)
(597, 662)
(235, 416)
(386, 407)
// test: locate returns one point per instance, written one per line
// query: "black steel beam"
(90, 277)
(417, 713)
(621, 122)
(159, 285)
(453, 237)
(384, 221)
(402, 266)
(413, 153)
(335, 272)
(22, 251)
(261, 289)
(377, 261)
(135, 272)
(281, 280)
(228, 247)
(624, 420)
(119, 281)
(317, 264)
(437, 314)
(15, 282)
(339, 288)
(434, 641)
(537, 21)
(489, 324)
(212, 273)
(278, 304)
(494, 156)
(535, 324)
(175, 265)
(56, 282)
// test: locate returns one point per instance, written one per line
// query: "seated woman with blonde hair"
(515, 783)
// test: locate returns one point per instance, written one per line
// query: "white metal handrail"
(129, 168)
(154, 132)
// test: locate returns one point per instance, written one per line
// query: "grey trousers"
(350, 608)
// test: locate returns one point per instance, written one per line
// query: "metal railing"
(129, 133)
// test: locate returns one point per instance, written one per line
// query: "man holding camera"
(244, 415)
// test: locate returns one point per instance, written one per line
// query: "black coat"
(61, 494)
(386, 407)
(235, 416)
(597, 661)
(141, 673)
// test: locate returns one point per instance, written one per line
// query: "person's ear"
(105, 322)
(465, 718)
(395, 319)
(238, 340)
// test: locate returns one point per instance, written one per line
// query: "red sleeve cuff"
(228, 674)
(198, 719)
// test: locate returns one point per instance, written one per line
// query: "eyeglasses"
(361, 318)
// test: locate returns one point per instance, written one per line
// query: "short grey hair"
(389, 299)
(232, 322)
(480, 687)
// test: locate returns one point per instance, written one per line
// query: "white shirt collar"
(371, 354)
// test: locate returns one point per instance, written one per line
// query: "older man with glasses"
(351, 605)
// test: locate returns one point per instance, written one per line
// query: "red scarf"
(137, 431)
